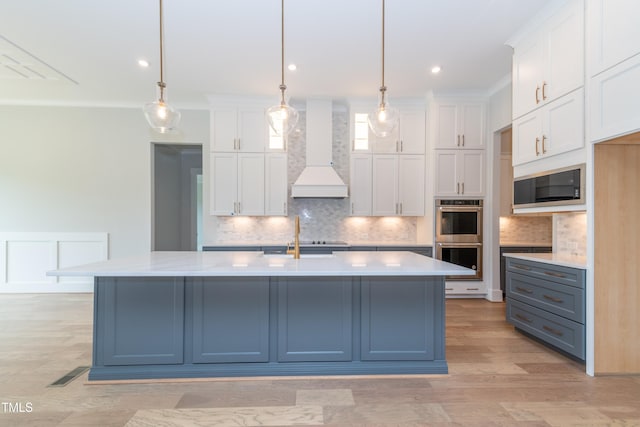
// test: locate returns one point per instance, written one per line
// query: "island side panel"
(139, 321)
(400, 318)
(230, 319)
(314, 319)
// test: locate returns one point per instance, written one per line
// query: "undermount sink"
(302, 256)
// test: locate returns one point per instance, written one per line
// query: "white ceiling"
(85, 52)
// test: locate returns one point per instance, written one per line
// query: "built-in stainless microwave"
(552, 188)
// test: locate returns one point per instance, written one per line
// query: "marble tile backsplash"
(526, 229)
(320, 219)
(570, 233)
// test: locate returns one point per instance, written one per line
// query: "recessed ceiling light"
(436, 69)
(143, 63)
(292, 67)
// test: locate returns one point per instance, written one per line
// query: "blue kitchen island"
(228, 314)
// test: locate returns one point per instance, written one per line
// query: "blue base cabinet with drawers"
(547, 301)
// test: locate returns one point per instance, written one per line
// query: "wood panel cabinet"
(553, 129)
(459, 125)
(459, 173)
(549, 63)
(237, 184)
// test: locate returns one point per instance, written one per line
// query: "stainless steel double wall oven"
(459, 234)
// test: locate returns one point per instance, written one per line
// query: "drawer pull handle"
(553, 331)
(525, 290)
(550, 298)
(522, 267)
(554, 274)
(521, 317)
(448, 289)
(473, 289)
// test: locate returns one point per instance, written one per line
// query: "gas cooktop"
(322, 243)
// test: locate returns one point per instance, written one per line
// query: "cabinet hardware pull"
(463, 184)
(553, 331)
(554, 274)
(521, 317)
(351, 208)
(473, 289)
(522, 267)
(235, 208)
(525, 290)
(458, 140)
(401, 146)
(457, 188)
(284, 205)
(238, 144)
(448, 289)
(463, 139)
(537, 142)
(400, 208)
(537, 97)
(550, 298)
(544, 144)
(544, 95)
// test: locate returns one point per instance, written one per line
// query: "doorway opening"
(177, 197)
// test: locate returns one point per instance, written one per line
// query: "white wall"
(80, 169)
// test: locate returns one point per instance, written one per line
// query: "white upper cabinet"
(459, 125)
(549, 62)
(556, 128)
(459, 173)
(237, 184)
(409, 137)
(238, 129)
(614, 59)
(614, 33)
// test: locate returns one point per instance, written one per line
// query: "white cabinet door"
(528, 74)
(411, 185)
(460, 173)
(472, 129)
(447, 126)
(238, 129)
(253, 130)
(614, 33)
(471, 172)
(223, 183)
(223, 129)
(250, 184)
(361, 185)
(385, 185)
(460, 125)
(564, 46)
(554, 129)
(412, 132)
(563, 124)
(275, 202)
(447, 183)
(527, 135)
(615, 101)
(549, 62)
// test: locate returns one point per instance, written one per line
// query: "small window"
(361, 139)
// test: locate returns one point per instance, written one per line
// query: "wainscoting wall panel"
(25, 258)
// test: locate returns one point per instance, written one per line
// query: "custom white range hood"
(319, 179)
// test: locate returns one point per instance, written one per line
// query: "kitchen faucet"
(296, 242)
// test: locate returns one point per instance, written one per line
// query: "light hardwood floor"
(497, 378)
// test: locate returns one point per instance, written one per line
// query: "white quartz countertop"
(202, 264)
(552, 258)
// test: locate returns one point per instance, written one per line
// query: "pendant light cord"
(161, 83)
(283, 87)
(383, 88)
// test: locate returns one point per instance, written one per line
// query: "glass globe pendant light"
(160, 115)
(384, 119)
(282, 117)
